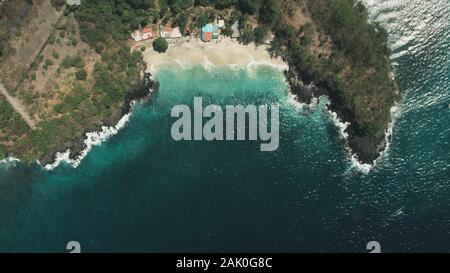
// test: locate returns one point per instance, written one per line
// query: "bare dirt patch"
(296, 14)
(48, 82)
(26, 43)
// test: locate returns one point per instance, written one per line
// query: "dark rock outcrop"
(143, 89)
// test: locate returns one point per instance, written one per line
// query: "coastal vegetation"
(329, 43)
(160, 45)
(82, 74)
(79, 79)
(12, 127)
(333, 45)
(2, 153)
(355, 74)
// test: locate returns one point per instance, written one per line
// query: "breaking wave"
(92, 139)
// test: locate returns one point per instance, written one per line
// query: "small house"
(176, 33)
(207, 33)
(170, 32)
(215, 32)
(269, 38)
(221, 23)
(165, 31)
(73, 2)
(144, 34)
(235, 29)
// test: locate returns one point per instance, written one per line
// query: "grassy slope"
(89, 40)
(12, 127)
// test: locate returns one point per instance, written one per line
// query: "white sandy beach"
(226, 52)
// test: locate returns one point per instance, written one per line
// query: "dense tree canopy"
(160, 45)
(347, 22)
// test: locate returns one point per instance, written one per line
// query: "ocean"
(141, 191)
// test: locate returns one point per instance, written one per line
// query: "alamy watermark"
(236, 118)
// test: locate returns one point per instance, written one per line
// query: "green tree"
(160, 45)
(58, 3)
(269, 12)
(248, 6)
(260, 34)
(55, 54)
(47, 63)
(248, 35)
(2, 153)
(81, 74)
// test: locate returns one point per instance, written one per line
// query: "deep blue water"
(142, 191)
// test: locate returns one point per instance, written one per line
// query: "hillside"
(79, 70)
(333, 45)
(63, 79)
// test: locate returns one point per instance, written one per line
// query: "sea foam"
(355, 163)
(92, 139)
(9, 162)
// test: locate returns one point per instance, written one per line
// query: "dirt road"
(18, 107)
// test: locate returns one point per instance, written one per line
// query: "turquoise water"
(142, 191)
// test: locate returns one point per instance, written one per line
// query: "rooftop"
(207, 28)
(168, 29)
(147, 30)
(73, 2)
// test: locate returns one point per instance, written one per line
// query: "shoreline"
(363, 167)
(364, 150)
(342, 127)
(91, 140)
(74, 151)
(7, 161)
(226, 52)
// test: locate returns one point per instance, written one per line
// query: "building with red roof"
(170, 32)
(144, 34)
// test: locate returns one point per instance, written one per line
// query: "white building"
(170, 32)
(270, 38)
(221, 23)
(235, 29)
(73, 2)
(144, 34)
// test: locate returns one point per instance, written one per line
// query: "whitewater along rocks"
(304, 93)
(144, 89)
(367, 149)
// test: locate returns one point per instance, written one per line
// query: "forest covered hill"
(84, 69)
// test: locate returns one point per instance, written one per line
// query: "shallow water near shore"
(142, 191)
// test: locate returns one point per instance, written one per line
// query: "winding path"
(18, 107)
